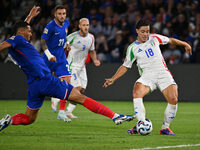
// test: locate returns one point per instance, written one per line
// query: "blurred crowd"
(113, 23)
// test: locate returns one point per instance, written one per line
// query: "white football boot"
(62, 116)
(70, 115)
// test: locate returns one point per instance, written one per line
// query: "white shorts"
(79, 77)
(157, 79)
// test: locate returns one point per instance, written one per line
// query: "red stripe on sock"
(20, 119)
(98, 108)
(62, 104)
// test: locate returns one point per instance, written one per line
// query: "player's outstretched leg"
(97, 107)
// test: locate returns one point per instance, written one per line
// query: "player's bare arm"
(181, 43)
(120, 72)
(4, 45)
(46, 51)
(33, 13)
(94, 58)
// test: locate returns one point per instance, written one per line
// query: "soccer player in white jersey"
(81, 42)
(154, 73)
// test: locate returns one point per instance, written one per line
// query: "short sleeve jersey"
(27, 57)
(55, 35)
(80, 46)
(148, 55)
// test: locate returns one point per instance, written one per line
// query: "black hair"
(20, 24)
(59, 7)
(142, 22)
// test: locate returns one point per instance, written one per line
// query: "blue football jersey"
(55, 35)
(28, 58)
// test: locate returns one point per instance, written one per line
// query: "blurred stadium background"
(113, 24)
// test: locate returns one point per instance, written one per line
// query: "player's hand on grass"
(108, 82)
(97, 62)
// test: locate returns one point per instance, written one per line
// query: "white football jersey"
(80, 46)
(147, 55)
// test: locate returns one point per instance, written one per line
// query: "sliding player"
(41, 82)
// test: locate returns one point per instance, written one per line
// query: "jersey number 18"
(149, 52)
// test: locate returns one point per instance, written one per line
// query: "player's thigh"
(171, 94)
(140, 90)
(75, 80)
(164, 80)
(35, 98)
(54, 87)
(83, 78)
(144, 85)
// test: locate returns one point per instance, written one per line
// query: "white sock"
(70, 107)
(139, 109)
(56, 100)
(170, 113)
(61, 111)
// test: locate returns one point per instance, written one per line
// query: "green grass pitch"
(96, 132)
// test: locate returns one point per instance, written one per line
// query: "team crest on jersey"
(46, 31)
(139, 50)
(79, 42)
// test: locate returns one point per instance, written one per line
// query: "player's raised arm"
(120, 72)
(181, 43)
(4, 45)
(33, 13)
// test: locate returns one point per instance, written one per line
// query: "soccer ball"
(144, 127)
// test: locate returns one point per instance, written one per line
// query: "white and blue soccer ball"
(144, 127)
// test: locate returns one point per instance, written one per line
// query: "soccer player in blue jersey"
(41, 82)
(53, 41)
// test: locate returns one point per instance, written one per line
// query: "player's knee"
(76, 96)
(136, 94)
(173, 100)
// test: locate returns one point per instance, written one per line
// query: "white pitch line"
(166, 147)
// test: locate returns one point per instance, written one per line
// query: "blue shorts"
(61, 69)
(48, 86)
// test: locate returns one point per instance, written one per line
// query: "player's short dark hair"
(142, 22)
(20, 24)
(59, 7)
